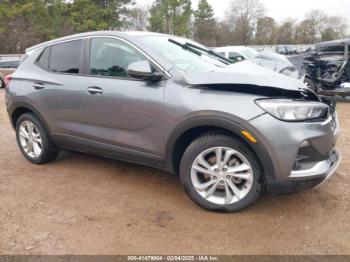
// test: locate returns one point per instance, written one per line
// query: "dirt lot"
(89, 205)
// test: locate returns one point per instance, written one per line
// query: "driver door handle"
(94, 90)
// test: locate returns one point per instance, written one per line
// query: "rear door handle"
(94, 90)
(38, 86)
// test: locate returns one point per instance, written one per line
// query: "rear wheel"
(220, 173)
(33, 140)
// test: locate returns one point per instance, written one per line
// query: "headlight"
(289, 110)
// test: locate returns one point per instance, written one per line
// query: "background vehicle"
(227, 129)
(7, 68)
(268, 59)
(327, 68)
(281, 50)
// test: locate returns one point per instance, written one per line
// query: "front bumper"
(310, 180)
(303, 154)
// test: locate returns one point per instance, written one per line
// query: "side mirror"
(143, 70)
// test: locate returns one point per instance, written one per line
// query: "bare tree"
(265, 31)
(138, 19)
(243, 16)
(317, 19)
(318, 26)
(286, 32)
(305, 32)
(337, 26)
(223, 34)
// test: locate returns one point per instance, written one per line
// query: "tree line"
(24, 23)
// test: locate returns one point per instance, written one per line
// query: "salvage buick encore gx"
(228, 129)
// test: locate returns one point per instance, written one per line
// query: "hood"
(244, 73)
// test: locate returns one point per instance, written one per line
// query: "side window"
(15, 64)
(332, 49)
(65, 57)
(234, 55)
(111, 57)
(332, 53)
(43, 60)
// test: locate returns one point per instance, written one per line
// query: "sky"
(281, 9)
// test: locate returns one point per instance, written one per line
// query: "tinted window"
(14, 64)
(43, 60)
(233, 55)
(335, 48)
(65, 58)
(9, 64)
(3, 64)
(111, 57)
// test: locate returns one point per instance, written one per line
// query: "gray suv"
(228, 129)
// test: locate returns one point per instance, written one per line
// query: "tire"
(2, 83)
(310, 84)
(220, 200)
(48, 151)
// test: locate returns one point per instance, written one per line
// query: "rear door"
(59, 94)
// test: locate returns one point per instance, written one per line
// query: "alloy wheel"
(222, 175)
(30, 139)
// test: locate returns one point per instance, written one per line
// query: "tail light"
(8, 78)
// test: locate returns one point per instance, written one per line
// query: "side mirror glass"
(143, 70)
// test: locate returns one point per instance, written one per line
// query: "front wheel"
(220, 173)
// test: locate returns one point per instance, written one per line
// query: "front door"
(126, 114)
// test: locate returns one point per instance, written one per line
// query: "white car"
(269, 59)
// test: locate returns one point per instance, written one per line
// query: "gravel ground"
(83, 204)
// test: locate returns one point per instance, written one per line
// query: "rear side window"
(65, 58)
(43, 60)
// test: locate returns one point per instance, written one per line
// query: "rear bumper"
(311, 178)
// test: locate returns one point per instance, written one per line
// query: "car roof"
(334, 42)
(126, 35)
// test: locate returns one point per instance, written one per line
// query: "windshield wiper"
(194, 49)
(211, 52)
(184, 46)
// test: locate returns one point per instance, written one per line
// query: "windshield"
(184, 59)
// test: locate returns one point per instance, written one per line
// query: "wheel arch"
(22, 108)
(190, 129)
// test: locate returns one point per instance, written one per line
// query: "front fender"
(230, 123)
